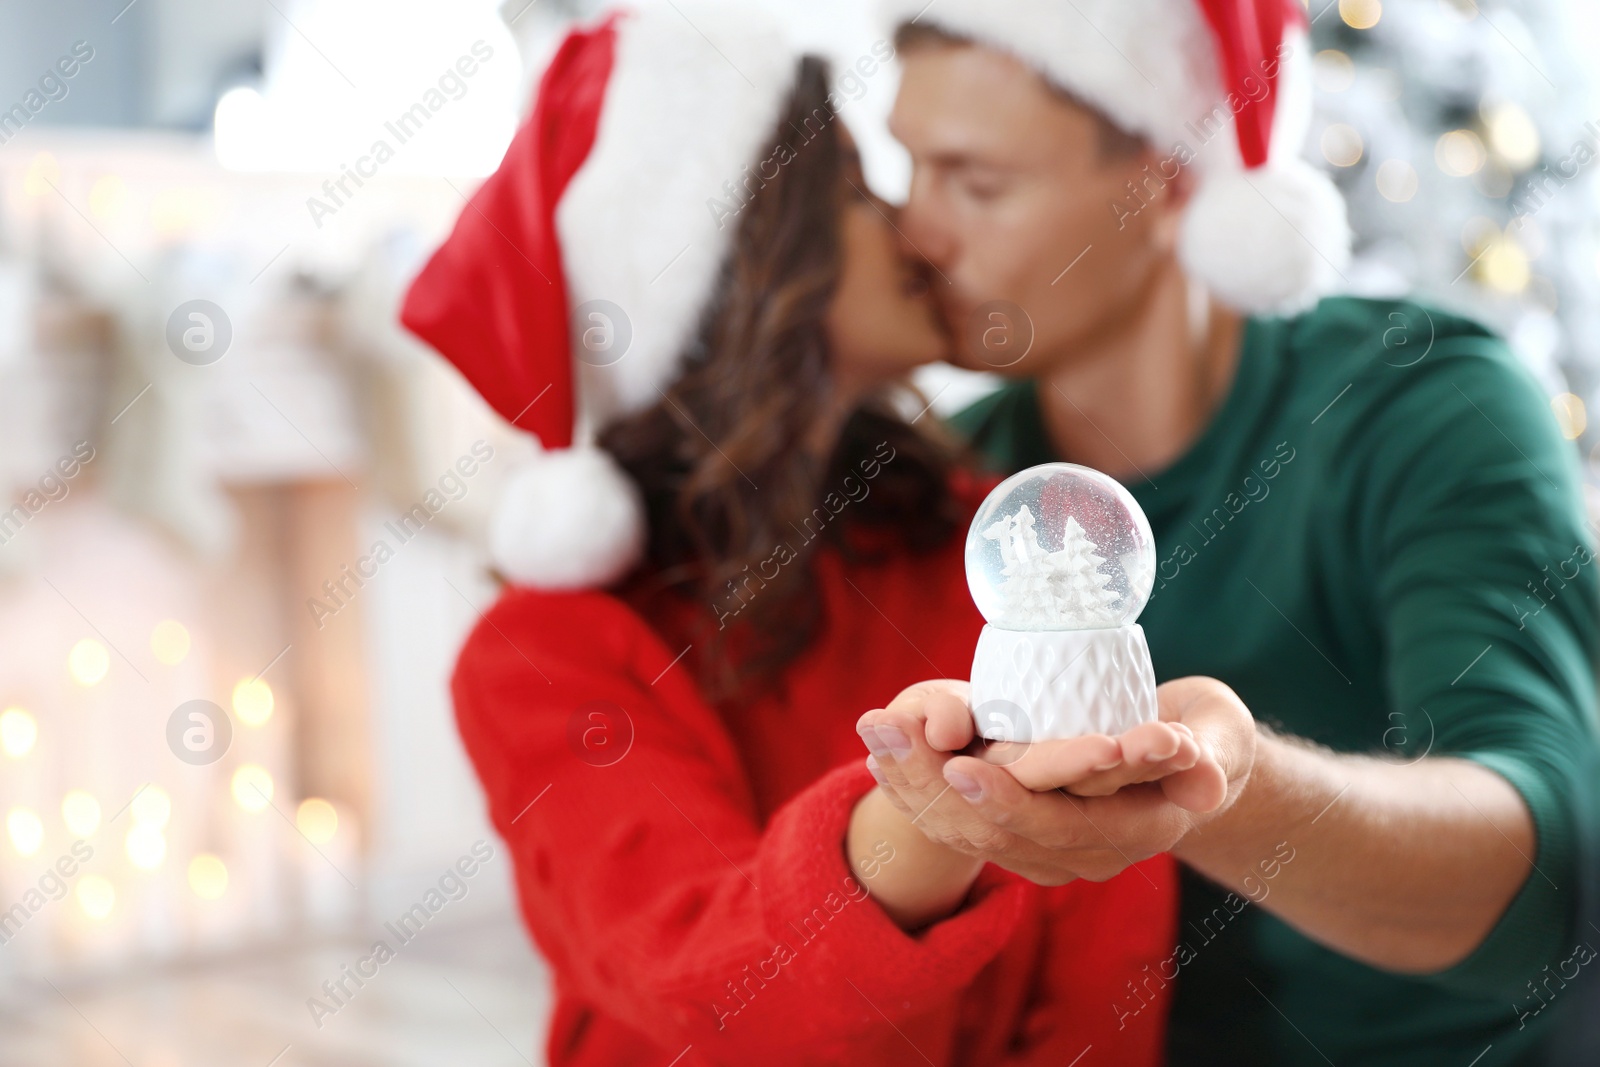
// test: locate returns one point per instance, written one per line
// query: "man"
(1367, 526)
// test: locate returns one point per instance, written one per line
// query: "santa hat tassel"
(570, 519)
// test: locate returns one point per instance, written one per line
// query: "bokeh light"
(26, 830)
(1397, 180)
(1571, 415)
(1360, 14)
(108, 197)
(18, 732)
(96, 896)
(88, 662)
(170, 642)
(1335, 71)
(44, 171)
(1341, 145)
(1504, 266)
(208, 876)
(252, 701)
(81, 812)
(185, 212)
(317, 819)
(146, 847)
(252, 787)
(152, 807)
(1459, 153)
(1512, 135)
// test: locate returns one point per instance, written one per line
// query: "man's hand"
(1012, 805)
(1214, 731)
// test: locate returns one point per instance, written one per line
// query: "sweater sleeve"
(1491, 612)
(644, 872)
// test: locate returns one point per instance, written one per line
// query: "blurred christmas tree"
(1466, 137)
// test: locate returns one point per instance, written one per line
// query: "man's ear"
(1170, 203)
(1152, 191)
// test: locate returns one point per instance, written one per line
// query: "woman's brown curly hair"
(733, 482)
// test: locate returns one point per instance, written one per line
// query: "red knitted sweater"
(693, 897)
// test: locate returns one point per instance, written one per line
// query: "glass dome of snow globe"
(1060, 547)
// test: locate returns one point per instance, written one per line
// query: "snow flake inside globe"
(1060, 547)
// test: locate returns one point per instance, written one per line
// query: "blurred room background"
(227, 757)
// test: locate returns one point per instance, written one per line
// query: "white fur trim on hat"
(1266, 241)
(1149, 65)
(648, 219)
(569, 519)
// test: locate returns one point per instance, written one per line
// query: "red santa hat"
(1266, 231)
(576, 276)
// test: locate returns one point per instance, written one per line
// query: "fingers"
(899, 742)
(1153, 742)
(941, 707)
(1202, 789)
(1150, 751)
(893, 794)
(1021, 831)
(1097, 765)
(978, 807)
(1225, 733)
(1065, 842)
(1200, 751)
(931, 804)
(996, 796)
(911, 774)
(949, 720)
(912, 697)
(1131, 796)
(1052, 764)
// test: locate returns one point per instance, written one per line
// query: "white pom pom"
(568, 520)
(1268, 241)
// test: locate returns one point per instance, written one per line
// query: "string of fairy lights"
(1420, 153)
(82, 812)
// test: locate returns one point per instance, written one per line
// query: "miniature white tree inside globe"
(1061, 561)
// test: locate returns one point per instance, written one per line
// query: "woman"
(699, 850)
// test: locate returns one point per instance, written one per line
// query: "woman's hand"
(1086, 807)
(914, 879)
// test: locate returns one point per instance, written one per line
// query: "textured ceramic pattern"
(1060, 684)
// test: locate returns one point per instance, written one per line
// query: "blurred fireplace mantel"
(254, 480)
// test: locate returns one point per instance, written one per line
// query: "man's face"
(1013, 202)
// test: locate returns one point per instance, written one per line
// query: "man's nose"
(924, 231)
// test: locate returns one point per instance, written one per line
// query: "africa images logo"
(199, 732)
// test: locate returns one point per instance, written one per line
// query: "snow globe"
(1060, 561)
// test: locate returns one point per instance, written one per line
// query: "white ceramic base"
(1061, 683)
